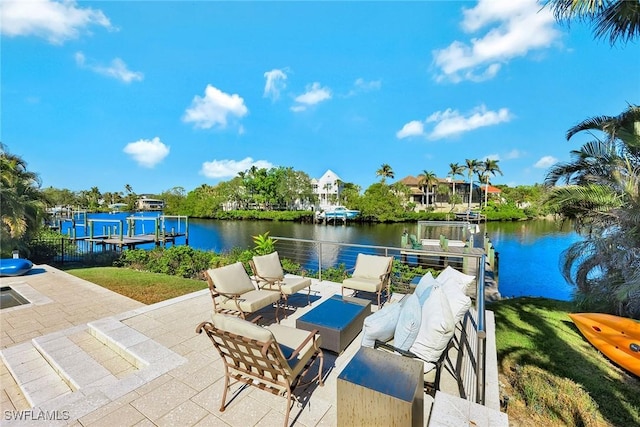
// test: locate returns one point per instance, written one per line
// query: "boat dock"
(119, 233)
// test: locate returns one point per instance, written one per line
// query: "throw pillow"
(423, 290)
(408, 323)
(461, 279)
(458, 300)
(380, 325)
(436, 328)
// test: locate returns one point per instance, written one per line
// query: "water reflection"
(529, 251)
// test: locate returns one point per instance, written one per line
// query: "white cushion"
(231, 279)
(408, 322)
(268, 266)
(241, 327)
(436, 327)
(461, 279)
(371, 266)
(423, 290)
(380, 325)
(458, 300)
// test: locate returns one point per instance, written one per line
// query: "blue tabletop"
(334, 313)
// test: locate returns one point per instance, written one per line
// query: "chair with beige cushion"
(273, 359)
(372, 273)
(270, 275)
(233, 291)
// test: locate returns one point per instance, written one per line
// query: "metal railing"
(319, 257)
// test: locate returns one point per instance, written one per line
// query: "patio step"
(37, 379)
(98, 362)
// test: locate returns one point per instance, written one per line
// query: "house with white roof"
(328, 189)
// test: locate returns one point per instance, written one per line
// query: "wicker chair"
(273, 359)
(233, 291)
(372, 273)
(269, 274)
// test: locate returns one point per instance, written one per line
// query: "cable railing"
(318, 258)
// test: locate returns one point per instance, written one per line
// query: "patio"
(82, 355)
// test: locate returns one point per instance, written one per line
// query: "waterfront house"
(439, 192)
(328, 188)
(146, 203)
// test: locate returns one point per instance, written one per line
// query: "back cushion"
(457, 277)
(371, 266)
(231, 279)
(380, 325)
(242, 327)
(423, 290)
(458, 300)
(408, 322)
(436, 327)
(268, 266)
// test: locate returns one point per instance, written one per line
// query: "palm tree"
(385, 172)
(489, 167)
(426, 179)
(454, 170)
(615, 19)
(471, 166)
(602, 198)
(22, 204)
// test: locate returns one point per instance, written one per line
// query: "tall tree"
(612, 19)
(426, 180)
(385, 172)
(471, 166)
(602, 198)
(489, 167)
(455, 170)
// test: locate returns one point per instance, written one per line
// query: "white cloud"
(314, 95)
(513, 154)
(147, 153)
(451, 122)
(545, 162)
(117, 69)
(214, 109)
(366, 86)
(275, 83)
(413, 128)
(513, 29)
(54, 21)
(230, 168)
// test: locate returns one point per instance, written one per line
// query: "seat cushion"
(250, 301)
(231, 279)
(291, 284)
(268, 266)
(289, 339)
(436, 327)
(362, 284)
(371, 266)
(408, 322)
(380, 325)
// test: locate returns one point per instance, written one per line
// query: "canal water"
(529, 250)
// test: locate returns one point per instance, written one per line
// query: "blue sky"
(163, 94)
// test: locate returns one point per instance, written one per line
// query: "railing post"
(62, 251)
(320, 261)
(481, 335)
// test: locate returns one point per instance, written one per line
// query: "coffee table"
(339, 320)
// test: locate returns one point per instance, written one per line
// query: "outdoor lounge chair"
(270, 275)
(274, 359)
(372, 273)
(233, 291)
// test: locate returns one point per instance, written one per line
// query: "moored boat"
(338, 212)
(616, 337)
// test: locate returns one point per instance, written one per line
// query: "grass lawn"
(555, 377)
(141, 286)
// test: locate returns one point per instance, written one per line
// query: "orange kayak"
(618, 338)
